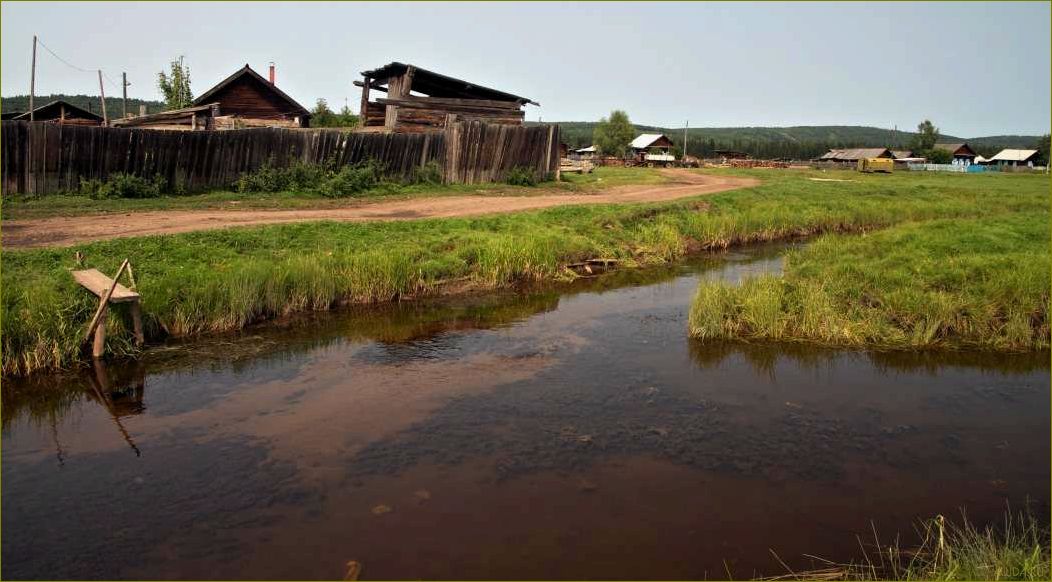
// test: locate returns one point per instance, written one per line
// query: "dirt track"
(66, 231)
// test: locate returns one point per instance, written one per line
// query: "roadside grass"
(30, 207)
(949, 283)
(225, 279)
(1016, 549)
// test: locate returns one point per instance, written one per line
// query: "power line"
(72, 66)
(64, 61)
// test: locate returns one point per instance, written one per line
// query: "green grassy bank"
(950, 283)
(226, 279)
(1016, 548)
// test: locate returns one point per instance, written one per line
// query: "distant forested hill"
(89, 102)
(800, 142)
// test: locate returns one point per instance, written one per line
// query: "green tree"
(1042, 147)
(937, 156)
(175, 85)
(321, 115)
(612, 135)
(927, 136)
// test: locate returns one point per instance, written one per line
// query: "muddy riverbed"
(570, 433)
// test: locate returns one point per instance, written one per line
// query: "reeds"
(1015, 549)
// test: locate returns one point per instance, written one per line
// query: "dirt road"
(66, 231)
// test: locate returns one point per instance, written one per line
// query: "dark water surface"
(561, 433)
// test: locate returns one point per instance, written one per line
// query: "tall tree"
(927, 136)
(175, 85)
(612, 135)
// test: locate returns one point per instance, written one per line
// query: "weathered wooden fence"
(42, 158)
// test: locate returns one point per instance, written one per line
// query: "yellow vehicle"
(876, 165)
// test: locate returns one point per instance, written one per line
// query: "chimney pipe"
(271, 72)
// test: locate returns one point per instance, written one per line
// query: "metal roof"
(1014, 155)
(901, 154)
(435, 84)
(853, 154)
(645, 140)
(587, 150)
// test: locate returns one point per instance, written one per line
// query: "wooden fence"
(42, 158)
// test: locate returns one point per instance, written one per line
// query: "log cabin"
(419, 100)
(61, 112)
(246, 99)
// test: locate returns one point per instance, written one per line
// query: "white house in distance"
(652, 149)
(1008, 157)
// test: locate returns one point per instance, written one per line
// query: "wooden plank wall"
(478, 152)
(43, 158)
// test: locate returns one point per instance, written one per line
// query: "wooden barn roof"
(207, 96)
(44, 111)
(955, 147)
(435, 84)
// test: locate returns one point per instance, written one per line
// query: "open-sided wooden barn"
(61, 112)
(421, 100)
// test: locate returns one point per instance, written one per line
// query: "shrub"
(299, 176)
(429, 173)
(121, 185)
(519, 176)
(350, 180)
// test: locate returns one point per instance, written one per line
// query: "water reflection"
(545, 429)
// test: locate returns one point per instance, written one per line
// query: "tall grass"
(220, 280)
(1015, 549)
(959, 283)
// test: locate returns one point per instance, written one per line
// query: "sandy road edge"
(67, 231)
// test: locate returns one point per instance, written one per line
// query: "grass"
(30, 207)
(949, 283)
(1017, 549)
(225, 279)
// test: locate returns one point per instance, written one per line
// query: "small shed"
(421, 100)
(61, 112)
(853, 155)
(247, 99)
(962, 153)
(901, 154)
(1008, 157)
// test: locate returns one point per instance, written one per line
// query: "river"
(564, 432)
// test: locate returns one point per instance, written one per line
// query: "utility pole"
(102, 98)
(685, 130)
(124, 86)
(33, 78)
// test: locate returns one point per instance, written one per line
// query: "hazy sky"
(973, 68)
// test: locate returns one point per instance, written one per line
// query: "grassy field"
(226, 279)
(16, 208)
(949, 283)
(1015, 549)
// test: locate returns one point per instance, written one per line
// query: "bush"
(350, 180)
(429, 173)
(519, 176)
(299, 176)
(121, 185)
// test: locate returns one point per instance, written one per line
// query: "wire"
(64, 61)
(72, 66)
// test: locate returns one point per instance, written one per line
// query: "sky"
(974, 69)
